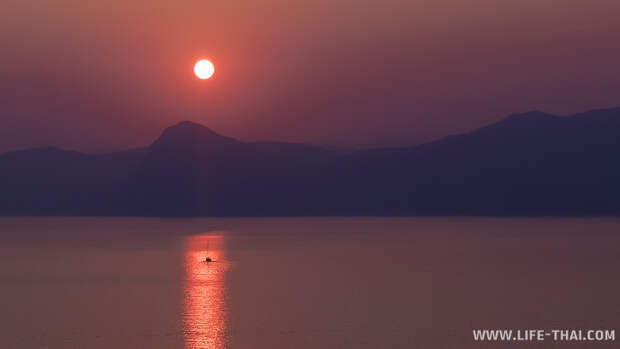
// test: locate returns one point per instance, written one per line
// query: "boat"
(207, 258)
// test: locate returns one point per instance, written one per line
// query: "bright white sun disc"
(204, 69)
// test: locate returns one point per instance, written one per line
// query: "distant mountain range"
(526, 164)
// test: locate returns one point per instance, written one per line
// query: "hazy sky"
(104, 75)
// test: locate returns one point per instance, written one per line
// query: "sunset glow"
(204, 69)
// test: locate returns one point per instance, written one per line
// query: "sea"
(276, 283)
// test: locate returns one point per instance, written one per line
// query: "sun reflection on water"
(205, 313)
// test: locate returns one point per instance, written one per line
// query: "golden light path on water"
(204, 309)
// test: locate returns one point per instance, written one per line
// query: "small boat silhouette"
(207, 258)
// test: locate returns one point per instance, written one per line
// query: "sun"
(204, 69)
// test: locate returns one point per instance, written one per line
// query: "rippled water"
(204, 301)
(303, 282)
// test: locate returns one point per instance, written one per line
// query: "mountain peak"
(189, 126)
(190, 134)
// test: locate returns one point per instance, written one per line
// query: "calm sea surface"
(303, 282)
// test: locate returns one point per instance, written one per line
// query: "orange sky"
(109, 75)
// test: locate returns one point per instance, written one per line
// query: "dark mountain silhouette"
(527, 164)
(191, 170)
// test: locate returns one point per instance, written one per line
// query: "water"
(303, 282)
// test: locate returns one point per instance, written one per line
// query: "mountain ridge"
(525, 164)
